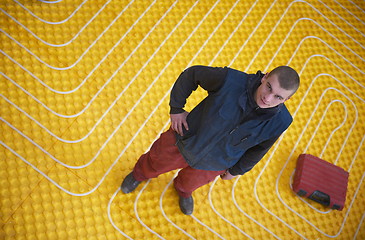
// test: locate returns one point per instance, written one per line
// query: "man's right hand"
(178, 121)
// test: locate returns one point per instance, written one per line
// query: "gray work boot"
(186, 205)
(129, 183)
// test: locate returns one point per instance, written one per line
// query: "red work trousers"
(164, 156)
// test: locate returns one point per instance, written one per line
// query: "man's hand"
(227, 176)
(178, 121)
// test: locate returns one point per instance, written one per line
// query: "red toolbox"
(320, 181)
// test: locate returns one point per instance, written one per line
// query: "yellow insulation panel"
(84, 92)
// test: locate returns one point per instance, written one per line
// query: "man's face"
(269, 94)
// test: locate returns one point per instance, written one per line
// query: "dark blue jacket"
(227, 130)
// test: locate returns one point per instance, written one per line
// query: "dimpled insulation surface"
(84, 92)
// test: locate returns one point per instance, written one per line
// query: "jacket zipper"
(243, 120)
(242, 140)
(234, 129)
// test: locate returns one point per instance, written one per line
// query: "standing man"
(226, 134)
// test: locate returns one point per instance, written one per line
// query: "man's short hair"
(287, 76)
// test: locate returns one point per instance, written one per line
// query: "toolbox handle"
(320, 197)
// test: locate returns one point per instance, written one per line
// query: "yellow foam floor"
(84, 92)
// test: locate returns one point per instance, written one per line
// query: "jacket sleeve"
(251, 157)
(209, 78)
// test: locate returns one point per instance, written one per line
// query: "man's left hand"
(227, 176)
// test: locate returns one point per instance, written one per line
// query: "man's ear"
(264, 77)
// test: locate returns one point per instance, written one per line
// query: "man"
(226, 134)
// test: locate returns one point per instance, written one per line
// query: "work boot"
(186, 205)
(129, 183)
